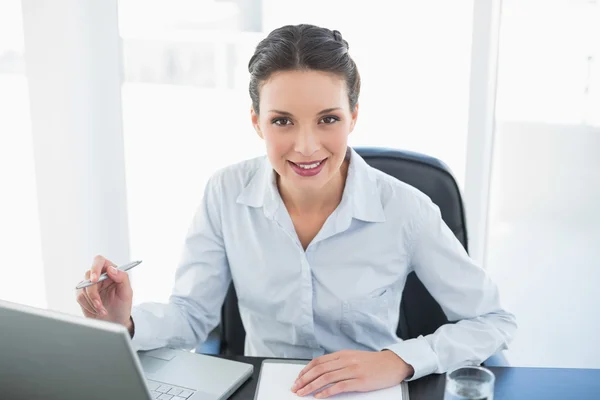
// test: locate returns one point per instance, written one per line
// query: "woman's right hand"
(109, 300)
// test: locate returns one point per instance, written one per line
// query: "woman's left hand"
(351, 371)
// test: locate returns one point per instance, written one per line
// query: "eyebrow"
(325, 111)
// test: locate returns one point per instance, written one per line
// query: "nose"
(307, 142)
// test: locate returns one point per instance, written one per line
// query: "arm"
(201, 283)
(466, 294)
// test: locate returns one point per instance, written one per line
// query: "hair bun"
(302, 47)
(337, 35)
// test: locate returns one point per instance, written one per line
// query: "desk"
(512, 383)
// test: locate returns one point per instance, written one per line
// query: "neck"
(325, 199)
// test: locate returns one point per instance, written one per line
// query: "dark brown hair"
(303, 47)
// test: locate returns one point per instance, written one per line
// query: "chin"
(309, 182)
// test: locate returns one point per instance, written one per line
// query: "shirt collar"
(362, 190)
(360, 200)
(261, 190)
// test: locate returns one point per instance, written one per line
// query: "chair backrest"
(420, 314)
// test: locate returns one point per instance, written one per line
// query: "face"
(305, 120)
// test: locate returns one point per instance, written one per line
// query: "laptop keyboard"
(162, 391)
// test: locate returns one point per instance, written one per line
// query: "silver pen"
(104, 276)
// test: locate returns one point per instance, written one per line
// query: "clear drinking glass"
(470, 383)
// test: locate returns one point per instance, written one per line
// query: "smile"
(308, 166)
(307, 169)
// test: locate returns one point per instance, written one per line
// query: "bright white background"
(544, 220)
(185, 112)
(176, 135)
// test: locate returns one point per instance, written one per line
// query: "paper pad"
(277, 378)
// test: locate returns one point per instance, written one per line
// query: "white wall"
(74, 72)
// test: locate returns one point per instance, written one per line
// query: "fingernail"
(93, 276)
(113, 269)
(98, 305)
(104, 312)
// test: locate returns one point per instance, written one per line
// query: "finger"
(316, 372)
(87, 307)
(107, 287)
(84, 303)
(98, 266)
(326, 379)
(351, 385)
(97, 310)
(95, 303)
(318, 361)
(96, 269)
(91, 292)
(86, 310)
(117, 275)
(120, 279)
(86, 298)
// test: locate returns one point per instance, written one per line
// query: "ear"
(255, 124)
(354, 118)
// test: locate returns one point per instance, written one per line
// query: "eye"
(330, 119)
(281, 121)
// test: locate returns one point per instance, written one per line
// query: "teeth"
(310, 166)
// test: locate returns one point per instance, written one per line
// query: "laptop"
(50, 355)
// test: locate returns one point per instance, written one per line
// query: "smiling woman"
(310, 96)
(186, 102)
(305, 126)
(317, 243)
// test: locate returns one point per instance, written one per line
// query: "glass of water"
(470, 383)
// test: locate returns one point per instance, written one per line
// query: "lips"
(308, 168)
(308, 164)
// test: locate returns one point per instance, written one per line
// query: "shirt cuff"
(141, 338)
(419, 354)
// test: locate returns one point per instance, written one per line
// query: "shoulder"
(232, 179)
(398, 197)
(238, 173)
(405, 207)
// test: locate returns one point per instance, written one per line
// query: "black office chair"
(420, 314)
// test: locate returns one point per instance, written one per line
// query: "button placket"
(307, 324)
(307, 300)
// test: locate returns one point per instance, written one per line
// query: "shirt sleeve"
(201, 282)
(466, 294)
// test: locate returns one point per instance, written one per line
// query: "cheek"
(336, 138)
(277, 144)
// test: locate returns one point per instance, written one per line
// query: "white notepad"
(277, 376)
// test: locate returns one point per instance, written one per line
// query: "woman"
(317, 243)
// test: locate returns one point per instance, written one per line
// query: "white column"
(482, 107)
(72, 50)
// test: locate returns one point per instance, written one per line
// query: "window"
(544, 220)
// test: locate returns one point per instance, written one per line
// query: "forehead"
(303, 90)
